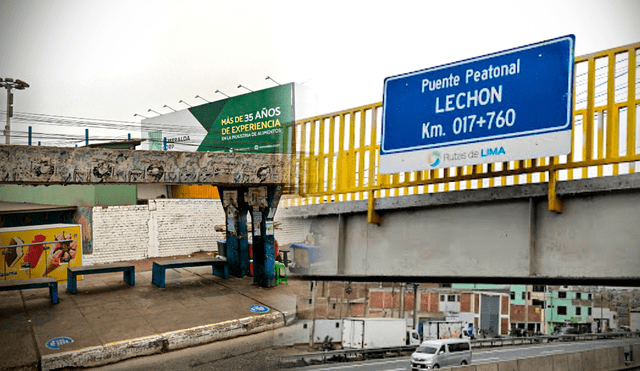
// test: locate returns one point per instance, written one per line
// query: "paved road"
(479, 357)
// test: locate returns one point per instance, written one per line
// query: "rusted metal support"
(534, 268)
(372, 216)
(555, 204)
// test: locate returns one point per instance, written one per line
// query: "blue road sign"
(511, 105)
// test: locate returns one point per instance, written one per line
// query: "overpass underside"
(249, 184)
(495, 235)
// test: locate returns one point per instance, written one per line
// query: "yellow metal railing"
(336, 155)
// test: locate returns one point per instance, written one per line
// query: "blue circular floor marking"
(259, 309)
(56, 342)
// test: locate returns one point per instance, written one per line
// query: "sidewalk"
(108, 321)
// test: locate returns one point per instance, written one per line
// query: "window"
(524, 295)
(578, 311)
(538, 288)
(537, 302)
(337, 324)
(458, 347)
(513, 295)
(589, 311)
(451, 298)
(562, 310)
(578, 295)
(589, 297)
(441, 297)
(562, 294)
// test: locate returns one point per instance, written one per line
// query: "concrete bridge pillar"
(235, 210)
(263, 203)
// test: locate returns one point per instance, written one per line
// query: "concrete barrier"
(575, 361)
(602, 359)
(466, 368)
(487, 367)
(608, 358)
(589, 361)
(616, 356)
(635, 354)
(561, 362)
(534, 364)
(508, 365)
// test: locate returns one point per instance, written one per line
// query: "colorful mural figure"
(39, 251)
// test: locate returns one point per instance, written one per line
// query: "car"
(567, 330)
(434, 354)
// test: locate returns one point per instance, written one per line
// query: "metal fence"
(336, 155)
(372, 353)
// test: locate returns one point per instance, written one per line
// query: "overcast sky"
(111, 59)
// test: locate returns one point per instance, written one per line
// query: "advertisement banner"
(40, 251)
(256, 122)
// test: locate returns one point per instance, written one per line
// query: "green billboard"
(258, 122)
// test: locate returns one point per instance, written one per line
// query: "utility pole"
(9, 83)
(416, 305)
(402, 288)
(314, 288)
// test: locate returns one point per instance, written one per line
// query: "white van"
(441, 353)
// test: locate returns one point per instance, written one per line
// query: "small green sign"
(258, 122)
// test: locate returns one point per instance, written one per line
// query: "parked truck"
(361, 333)
(432, 330)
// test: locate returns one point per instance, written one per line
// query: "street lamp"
(150, 110)
(218, 91)
(269, 78)
(135, 114)
(165, 106)
(197, 96)
(242, 86)
(8, 83)
(181, 101)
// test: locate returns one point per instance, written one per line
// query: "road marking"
(553, 351)
(486, 360)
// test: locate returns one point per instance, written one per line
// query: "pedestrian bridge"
(565, 219)
(571, 219)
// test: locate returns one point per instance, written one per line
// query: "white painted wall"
(167, 227)
(634, 320)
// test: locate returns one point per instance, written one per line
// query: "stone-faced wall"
(66, 165)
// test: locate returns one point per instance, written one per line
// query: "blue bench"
(128, 269)
(219, 266)
(33, 283)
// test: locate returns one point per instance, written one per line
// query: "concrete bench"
(128, 269)
(33, 283)
(219, 266)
